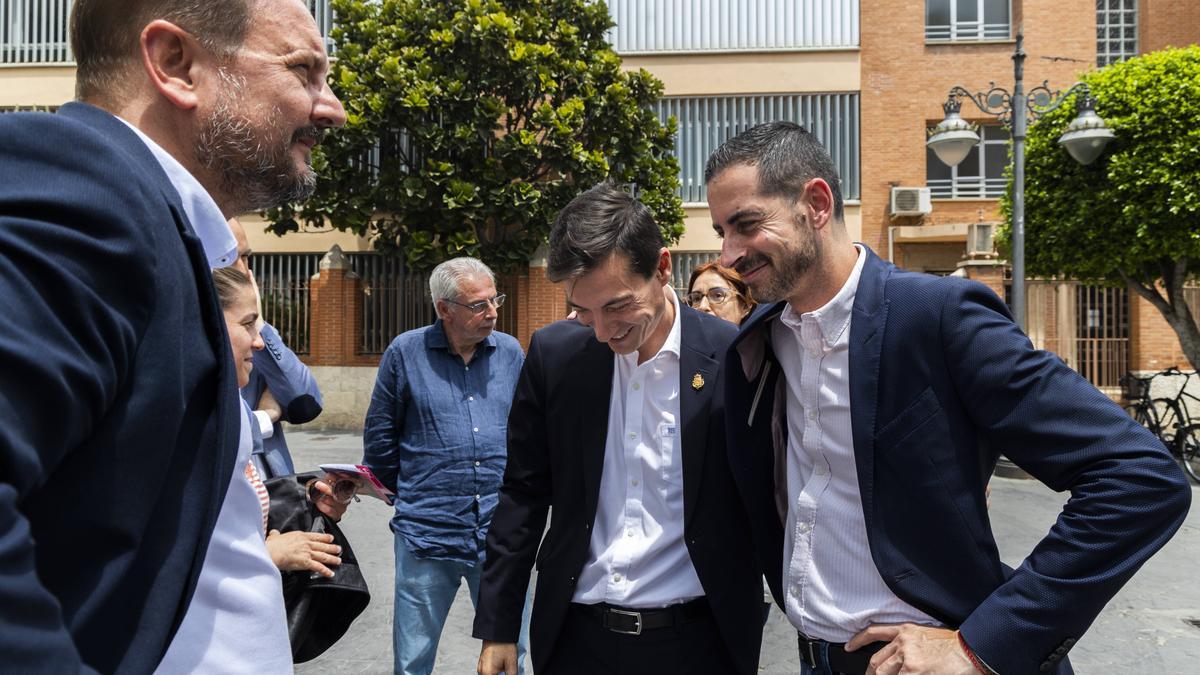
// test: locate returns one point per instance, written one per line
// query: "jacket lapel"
(866, 343)
(594, 366)
(697, 385)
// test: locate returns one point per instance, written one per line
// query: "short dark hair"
(105, 34)
(787, 157)
(598, 223)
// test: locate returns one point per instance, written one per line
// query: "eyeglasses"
(343, 490)
(478, 307)
(715, 295)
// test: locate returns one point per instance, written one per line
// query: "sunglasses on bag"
(344, 490)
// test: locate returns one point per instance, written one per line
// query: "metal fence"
(649, 26)
(707, 121)
(35, 31)
(283, 281)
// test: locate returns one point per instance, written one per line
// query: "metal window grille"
(1116, 31)
(647, 26)
(682, 264)
(1101, 334)
(28, 108)
(967, 20)
(283, 282)
(979, 176)
(395, 300)
(707, 121)
(35, 31)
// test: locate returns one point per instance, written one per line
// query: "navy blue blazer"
(942, 382)
(118, 401)
(557, 430)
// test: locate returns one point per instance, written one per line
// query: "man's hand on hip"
(914, 649)
(498, 657)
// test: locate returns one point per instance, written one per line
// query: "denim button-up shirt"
(436, 431)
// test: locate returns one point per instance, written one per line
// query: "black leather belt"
(839, 660)
(634, 621)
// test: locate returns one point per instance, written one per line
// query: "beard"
(783, 274)
(251, 158)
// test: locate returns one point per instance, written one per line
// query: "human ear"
(171, 57)
(819, 197)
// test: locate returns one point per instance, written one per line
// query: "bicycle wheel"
(1165, 414)
(1189, 445)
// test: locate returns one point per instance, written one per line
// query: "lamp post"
(1085, 138)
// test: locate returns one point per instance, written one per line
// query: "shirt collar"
(834, 316)
(435, 337)
(202, 212)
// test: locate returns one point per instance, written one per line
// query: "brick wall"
(1155, 345)
(1168, 23)
(905, 81)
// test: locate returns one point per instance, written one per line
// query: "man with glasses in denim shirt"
(435, 433)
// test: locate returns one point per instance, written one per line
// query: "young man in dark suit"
(866, 410)
(119, 411)
(616, 429)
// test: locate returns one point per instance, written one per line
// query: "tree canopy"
(471, 123)
(1132, 218)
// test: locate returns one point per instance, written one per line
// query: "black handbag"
(319, 609)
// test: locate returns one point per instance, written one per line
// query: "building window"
(705, 122)
(1116, 31)
(967, 20)
(34, 31)
(979, 176)
(650, 26)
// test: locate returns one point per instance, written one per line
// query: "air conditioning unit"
(911, 201)
(981, 240)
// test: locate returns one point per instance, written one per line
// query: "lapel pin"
(697, 382)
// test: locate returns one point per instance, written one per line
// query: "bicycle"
(1166, 418)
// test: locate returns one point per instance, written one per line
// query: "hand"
(328, 503)
(312, 551)
(914, 649)
(497, 657)
(269, 405)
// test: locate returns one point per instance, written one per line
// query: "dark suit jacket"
(556, 437)
(118, 404)
(941, 382)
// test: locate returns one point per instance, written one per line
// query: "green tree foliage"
(1132, 218)
(493, 114)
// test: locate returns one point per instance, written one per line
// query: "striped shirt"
(260, 488)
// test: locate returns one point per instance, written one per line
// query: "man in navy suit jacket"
(119, 411)
(866, 409)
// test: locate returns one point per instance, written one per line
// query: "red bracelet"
(962, 642)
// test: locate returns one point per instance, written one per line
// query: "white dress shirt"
(832, 588)
(637, 554)
(236, 622)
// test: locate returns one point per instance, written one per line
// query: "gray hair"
(598, 223)
(446, 278)
(787, 157)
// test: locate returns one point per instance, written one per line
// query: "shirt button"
(633, 434)
(628, 533)
(634, 482)
(820, 470)
(468, 367)
(477, 497)
(616, 577)
(636, 386)
(477, 462)
(476, 430)
(812, 415)
(803, 528)
(470, 398)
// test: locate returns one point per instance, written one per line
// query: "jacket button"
(1046, 666)
(1062, 649)
(1069, 642)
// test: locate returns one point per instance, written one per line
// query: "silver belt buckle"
(637, 619)
(810, 650)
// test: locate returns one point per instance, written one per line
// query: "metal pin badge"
(697, 382)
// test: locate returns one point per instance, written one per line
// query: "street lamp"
(952, 139)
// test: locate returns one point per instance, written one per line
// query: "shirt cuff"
(265, 428)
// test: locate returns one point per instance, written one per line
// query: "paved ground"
(1145, 629)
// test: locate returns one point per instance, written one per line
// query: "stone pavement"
(1145, 629)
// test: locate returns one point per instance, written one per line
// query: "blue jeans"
(425, 589)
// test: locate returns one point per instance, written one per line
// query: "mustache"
(748, 263)
(310, 133)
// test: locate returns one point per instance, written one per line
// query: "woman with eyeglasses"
(719, 291)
